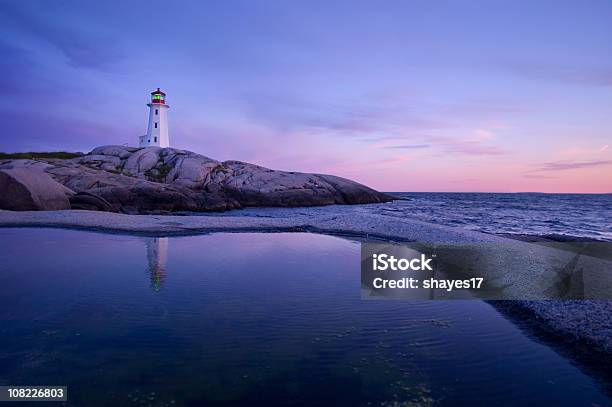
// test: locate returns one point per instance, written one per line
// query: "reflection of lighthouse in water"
(157, 255)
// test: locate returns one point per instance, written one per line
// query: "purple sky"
(403, 96)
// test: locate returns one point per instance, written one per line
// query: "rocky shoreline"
(165, 180)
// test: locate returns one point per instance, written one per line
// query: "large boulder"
(351, 192)
(90, 202)
(116, 151)
(142, 161)
(191, 171)
(253, 185)
(25, 186)
(154, 179)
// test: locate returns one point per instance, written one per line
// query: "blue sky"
(406, 95)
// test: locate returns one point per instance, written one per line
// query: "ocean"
(571, 215)
(559, 216)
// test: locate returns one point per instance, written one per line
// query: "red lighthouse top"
(158, 97)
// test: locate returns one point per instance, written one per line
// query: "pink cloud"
(572, 165)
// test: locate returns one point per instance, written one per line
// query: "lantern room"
(158, 97)
(157, 128)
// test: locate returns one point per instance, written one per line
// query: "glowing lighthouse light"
(157, 130)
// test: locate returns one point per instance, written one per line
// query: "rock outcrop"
(24, 185)
(153, 179)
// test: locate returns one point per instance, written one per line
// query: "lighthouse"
(157, 129)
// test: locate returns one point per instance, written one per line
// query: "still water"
(251, 319)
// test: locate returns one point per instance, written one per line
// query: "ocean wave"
(570, 215)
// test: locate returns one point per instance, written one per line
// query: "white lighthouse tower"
(157, 130)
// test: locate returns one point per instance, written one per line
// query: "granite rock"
(24, 185)
(154, 179)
